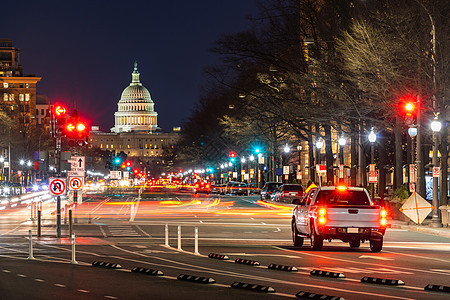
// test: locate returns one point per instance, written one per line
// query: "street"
(238, 227)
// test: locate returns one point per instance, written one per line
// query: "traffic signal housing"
(59, 114)
(76, 132)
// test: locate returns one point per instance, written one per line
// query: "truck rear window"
(342, 198)
(293, 188)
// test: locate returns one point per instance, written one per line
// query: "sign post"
(57, 187)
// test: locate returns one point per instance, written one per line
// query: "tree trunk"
(398, 171)
(311, 157)
(444, 161)
(329, 154)
(381, 168)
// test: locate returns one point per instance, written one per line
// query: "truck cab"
(339, 212)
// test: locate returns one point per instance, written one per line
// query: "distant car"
(228, 186)
(239, 188)
(288, 192)
(218, 189)
(202, 187)
(268, 189)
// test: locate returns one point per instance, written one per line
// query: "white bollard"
(131, 213)
(73, 250)
(31, 257)
(166, 235)
(196, 242)
(179, 237)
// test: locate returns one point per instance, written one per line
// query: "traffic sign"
(77, 163)
(412, 173)
(321, 169)
(57, 186)
(114, 183)
(75, 183)
(115, 174)
(373, 176)
(75, 173)
(286, 170)
(436, 171)
(416, 208)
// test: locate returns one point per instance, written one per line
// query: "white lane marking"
(111, 297)
(60, 285)
(6, 271)
(418, 256)
(39, 280)
(103, 231)
(140, 246)
(83, 291)
(443, 271)
(263, 223)
(142, 230)
(22, 275)
(201, 221)
(375, 257)
(278, 230)
(211, 223)
(264, 254)
(234, 275)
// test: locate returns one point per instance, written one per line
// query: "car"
(228, 186)
(268, 189)
(202, 187)
(239, 188)
(288, 192)
(338, 212)
(218, 189)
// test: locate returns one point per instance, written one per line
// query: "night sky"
(84, 50)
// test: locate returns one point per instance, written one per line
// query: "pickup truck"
(338, 212)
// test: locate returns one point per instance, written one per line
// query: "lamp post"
(286, 150)
(342, 142)
(299, 149)
(372, 138)
(242, 167)
(251, 159)
(319, 145)
(412, 131)
(435, 127)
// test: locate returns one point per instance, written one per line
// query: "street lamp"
(342, 141)
(435, 127)
(372, 138)
(412, 131)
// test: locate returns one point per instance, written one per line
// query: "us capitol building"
(136, 130)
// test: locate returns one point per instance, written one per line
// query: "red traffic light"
(410, 109)
(128, 163)
(232, 154)
(135, 171)
(81, 127)
(60, 111)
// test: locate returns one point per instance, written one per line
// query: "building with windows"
(136, 131)
(17, 91)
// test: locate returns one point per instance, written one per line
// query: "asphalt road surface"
(130, 231)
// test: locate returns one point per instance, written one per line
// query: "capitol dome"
(135, 108)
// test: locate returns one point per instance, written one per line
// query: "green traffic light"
(117, 161)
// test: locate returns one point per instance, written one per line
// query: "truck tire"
(296, 239)
(376, 245)
(355, 243)
(316, 240)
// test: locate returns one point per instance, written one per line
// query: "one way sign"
(77, 163)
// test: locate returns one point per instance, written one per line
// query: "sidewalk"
(423, 228)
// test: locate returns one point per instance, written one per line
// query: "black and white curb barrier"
(74, 261)
(147, 271)
(326, 274)
(197, 279)
(437, 288)
(308, 295)
(196, 241)
(282, 268)
(381, 281)
(218, 256)
(253, 287)
(166, 235)
(179, 238)
(106, 265)
(246, 262)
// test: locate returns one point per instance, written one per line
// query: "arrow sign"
(78, 163)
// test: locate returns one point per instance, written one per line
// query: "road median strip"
(374, 280)
(246, 262)
(308, 295)
(282, 268)
(437, 288)
(197, 279)
(218, 256)
(253, 287)
(147, 271)
(108, 265)
(326, 274)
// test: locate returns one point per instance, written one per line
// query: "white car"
(335, 212)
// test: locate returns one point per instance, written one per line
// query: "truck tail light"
(383, 217)
(322, 216)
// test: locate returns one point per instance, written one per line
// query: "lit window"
(5, 97)
(107, 146)
(11, 97)
(27, 97)
(21, 97)
(112, 146)
(128, 146)
(5, 85)
(27, 85)
(101, 146)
